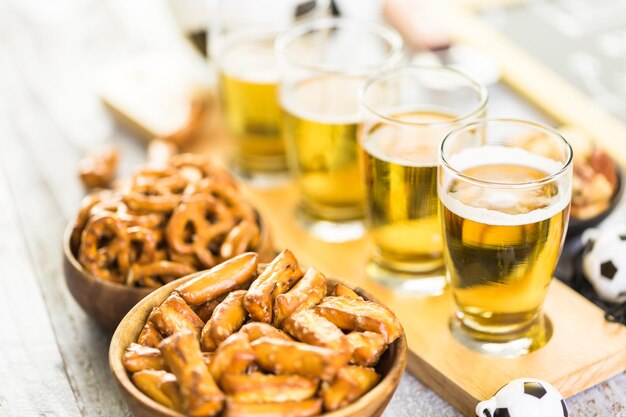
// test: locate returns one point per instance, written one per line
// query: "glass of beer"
(407, 113)
(505, 188)
(323, 65)
(242, 37)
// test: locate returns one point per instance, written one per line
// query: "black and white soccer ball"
(604, 262)
(524, 397)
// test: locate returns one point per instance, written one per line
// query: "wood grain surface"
(54, 356)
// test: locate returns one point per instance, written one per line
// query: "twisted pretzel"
(209, 218)
(84, 213)
(191, 164)
(105, 247)
(143, 242)
(155, 189)
(239, 239)
(117, 206)
(184, 258)
(230, 196)
(98, 168)
(166, 221)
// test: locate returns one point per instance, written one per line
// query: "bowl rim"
(73, 260)
(396, 368)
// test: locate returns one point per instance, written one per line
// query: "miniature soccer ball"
(524, 397)
(604, 262)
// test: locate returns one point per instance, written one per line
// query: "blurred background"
(76, 75)
(79, 74)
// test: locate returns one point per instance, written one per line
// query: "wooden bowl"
(108, 302)
(372, 404)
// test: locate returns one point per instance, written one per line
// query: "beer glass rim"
(516, 185)
(386, 32)
(393, 72)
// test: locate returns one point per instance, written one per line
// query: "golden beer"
(400, 166)
(249, 89)
(502, 243)
(321, 138)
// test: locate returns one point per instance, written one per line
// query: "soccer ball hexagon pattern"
(604, 262)
(524, 397)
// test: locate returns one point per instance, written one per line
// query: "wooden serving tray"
(584, 350)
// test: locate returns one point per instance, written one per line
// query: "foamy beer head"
(498, 186)
(505, 208)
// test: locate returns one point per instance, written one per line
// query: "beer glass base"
(421, 283)
(331, 231)
(508, 345)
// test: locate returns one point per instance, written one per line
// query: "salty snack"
(175, 316)
(168, 220)
(194, 213)
(261, 388)
(308, 327)
(97, 170)
(150, 335)
(353, 314)
(341, 290)
(139, 358)
(200, 395)
(161, 386)
(307, 292)
(207, 357)
(366, 347)
(227, 318)
(149, 274)
(350, 383)
(205, 310)
(256, 330)
(239, 238)
(208, 285)
(209, 347)
(110, 262)
(233, 356)
(288, 357)
(306, 408)
(277, 278)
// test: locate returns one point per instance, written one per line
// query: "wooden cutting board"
(584, 350)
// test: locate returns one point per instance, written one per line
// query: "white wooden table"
(54, 358)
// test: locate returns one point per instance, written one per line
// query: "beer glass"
(323, 64)
(242, 36)
(407, 113)
(505, 188)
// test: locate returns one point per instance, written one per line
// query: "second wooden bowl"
(372, 404)
(108, 302)
(576, 226)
